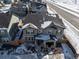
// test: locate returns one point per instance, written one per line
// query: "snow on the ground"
(71, 6)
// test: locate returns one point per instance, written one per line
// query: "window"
(59, 32)
(29, 31)
(2, 32)
(4, 35)
(50, 31)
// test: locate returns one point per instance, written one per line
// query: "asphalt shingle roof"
(4, 20)
(35, 19)
(38, 19)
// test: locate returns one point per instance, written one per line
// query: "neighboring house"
(19, 9)
(4, 8)
(5, 35)
(4, 23)
(38, 7)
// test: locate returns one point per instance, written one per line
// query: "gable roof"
(4, 20)
(58, 22)
(43, 22)
(29, 25)
(35, 19)
(55, 20)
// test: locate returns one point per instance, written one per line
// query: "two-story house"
(41, 29)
